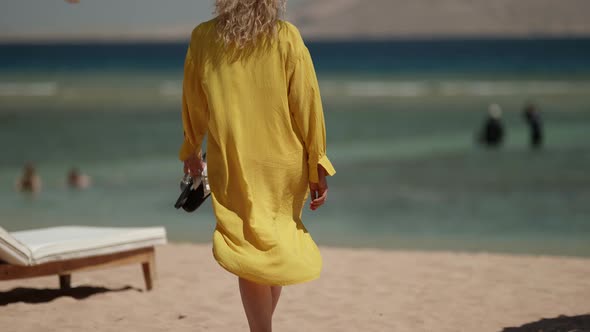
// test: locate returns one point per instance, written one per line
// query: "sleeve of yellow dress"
(194, 110)
(306, 106)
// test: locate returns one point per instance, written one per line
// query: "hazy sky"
(103, 18)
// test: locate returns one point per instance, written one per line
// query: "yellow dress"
(262, 113)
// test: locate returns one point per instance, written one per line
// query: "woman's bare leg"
(276, 293)
(258, 304)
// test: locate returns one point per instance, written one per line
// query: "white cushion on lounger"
(12, 251)
(69, 242)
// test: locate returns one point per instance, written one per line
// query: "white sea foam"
(499, 88)
(460, 88)
(393, 89)
(29, 89)
(360, 88)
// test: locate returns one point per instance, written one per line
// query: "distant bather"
(29, 182)
(533, 119)
(77, 180)
(492, 133)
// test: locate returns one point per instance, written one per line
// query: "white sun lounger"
(64, 250)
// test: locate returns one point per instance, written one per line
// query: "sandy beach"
(360, 290)
(385, 19)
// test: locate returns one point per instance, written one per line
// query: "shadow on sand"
(579, 323)
(36, 295)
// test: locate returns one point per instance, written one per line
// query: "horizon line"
(179, 39)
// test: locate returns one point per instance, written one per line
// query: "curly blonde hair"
(241, 22)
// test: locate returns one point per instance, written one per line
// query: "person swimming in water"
(29, 182)
(77, 180)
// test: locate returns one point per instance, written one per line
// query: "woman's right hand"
(319, 191)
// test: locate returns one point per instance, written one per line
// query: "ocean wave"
(395, 89)
(453, 88)
(351, 88)
(30, 89)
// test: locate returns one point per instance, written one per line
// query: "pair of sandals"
(194, 191)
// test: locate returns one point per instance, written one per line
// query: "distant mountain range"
(383, 19)
(350, 19)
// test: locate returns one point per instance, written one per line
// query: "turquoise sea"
(401, 119)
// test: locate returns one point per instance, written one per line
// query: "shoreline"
(419, 250)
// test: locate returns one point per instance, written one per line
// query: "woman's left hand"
(194, 165)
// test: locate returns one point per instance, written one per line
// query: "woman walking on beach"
(250, 86)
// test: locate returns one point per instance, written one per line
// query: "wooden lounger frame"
(65, 268)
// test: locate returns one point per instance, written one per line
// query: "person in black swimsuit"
(492, 133)
(533, 119)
